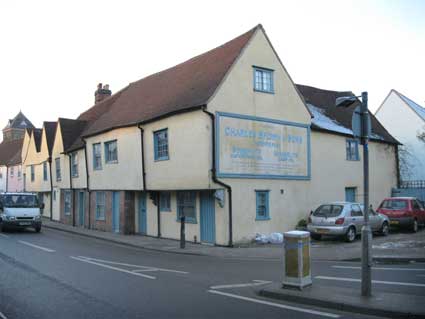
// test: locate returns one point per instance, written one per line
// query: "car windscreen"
(394, 204)
(20, 201)
(328, 211)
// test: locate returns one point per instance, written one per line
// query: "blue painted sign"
(253, 147)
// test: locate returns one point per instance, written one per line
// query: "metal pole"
(182, 232)
(366, 230)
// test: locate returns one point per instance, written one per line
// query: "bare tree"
(405, 158)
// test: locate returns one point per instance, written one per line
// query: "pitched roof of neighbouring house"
(330, 118)
(50, 132)
(183, 87)
(10, 152)
(37, 138)
(71, 131)
(420, 110)
(20, 121)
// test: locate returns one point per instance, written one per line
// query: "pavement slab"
(390, 305)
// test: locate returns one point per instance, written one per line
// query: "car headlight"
(10, 217)
(38, 217)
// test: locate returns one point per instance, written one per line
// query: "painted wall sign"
(253, 147)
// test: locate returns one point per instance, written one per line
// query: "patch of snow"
(400, 244)
(325, 122)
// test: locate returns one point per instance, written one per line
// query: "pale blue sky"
(53, 53)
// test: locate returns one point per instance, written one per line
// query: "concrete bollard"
(296, 260)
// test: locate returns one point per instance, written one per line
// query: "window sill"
(97, 169)
(263, 91)
(74, 176)
(188, 221)
(162, 159)
(353, 160)
(112, 162)
(165, 210)
(262, 218)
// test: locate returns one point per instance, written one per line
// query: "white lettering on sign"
(251, 147)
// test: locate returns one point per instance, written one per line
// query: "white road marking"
(255, 283)
(5, 236)
(142, 268)
(2, 316)
(278, 305)
(112, 268)
(395, 283)
(381, 268)
(36, 246)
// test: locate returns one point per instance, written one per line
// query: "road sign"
(356, 123)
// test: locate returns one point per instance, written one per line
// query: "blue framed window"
(352, 148)
(262, 205)
(45, 171)
(100, 205)
(160, 141)
(186, 204)
(165, 201)
(58, 169)
(67, 203)
(74, 165)
(97, 156)
(111, 152)
(263, 80)
(32, 173)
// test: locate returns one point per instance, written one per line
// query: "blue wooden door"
(81, 206)
(116, 212)
(207, 217)
(142, 214)
(350, 194)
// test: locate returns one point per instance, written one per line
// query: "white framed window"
(97, 156)
(111, 152)
(100, 205)
(263, 80)
(74, 164)
(160, 140)
(58, 169)
(67, 202)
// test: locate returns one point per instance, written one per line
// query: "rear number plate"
(394, 222)
(24, 223)
(322, 230)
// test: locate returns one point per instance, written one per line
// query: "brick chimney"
(102, 93)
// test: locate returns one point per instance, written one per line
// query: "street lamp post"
(366, 230)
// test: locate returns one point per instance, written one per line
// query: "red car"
(403, 211)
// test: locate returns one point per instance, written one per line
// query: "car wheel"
(350, 236)
(37, 229)
(415, 226)
(316, 236)
(385, 229)
(1, 227)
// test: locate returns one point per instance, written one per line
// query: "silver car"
(344, 219)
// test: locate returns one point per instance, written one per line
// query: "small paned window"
(19, 172)
(186, 206)
(32, 173)
(100, 205)
(97, 157)
(74, 165)
(262, 205)
(67, 202)
(45, 171)
(263, 80)
(161, 145)
(111, 152)
(58, 169)
(165, 201)
(352, 148)
(12, 171)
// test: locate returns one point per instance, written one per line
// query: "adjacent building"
(225, 139)
(11, 175)
(405, 119)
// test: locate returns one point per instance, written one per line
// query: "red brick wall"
(66, 219)
(105, 225)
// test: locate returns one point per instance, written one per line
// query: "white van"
(20, 210)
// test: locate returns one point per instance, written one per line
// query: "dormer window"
(263, 80)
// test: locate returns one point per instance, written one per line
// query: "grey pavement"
(398, 246)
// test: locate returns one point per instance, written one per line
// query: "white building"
(405, 120)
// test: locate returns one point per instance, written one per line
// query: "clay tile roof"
(324, 101)
(20, 121)
(37, 138)
(50, 131)
(71, 131)
(10, 152)
(183, 87)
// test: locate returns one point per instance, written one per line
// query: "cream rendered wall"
(127, 173)
(236, 95)
(80, 181)
(57, 152)
(3, 177)
(189, 147)
(404, 124)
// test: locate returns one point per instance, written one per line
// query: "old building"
(225, 139)
(11, 178)
(405, 119)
